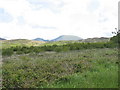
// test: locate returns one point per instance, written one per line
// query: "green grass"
(105, 78)
(91, 68)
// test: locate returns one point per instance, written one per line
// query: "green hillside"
(20, 42)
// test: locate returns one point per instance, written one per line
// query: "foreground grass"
(97, 79)
(91, 68)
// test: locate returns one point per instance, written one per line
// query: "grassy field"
(90, 68)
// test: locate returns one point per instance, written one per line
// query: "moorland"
(60, 64)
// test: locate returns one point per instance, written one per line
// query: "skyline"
(49, 19)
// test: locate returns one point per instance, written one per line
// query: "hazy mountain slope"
(2, 39)
(40, 39)
(66, 38)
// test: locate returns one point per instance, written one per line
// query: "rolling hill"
(20, 42)
(96, 39)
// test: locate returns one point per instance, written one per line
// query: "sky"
(48, 19)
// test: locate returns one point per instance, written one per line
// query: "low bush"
(7, 52)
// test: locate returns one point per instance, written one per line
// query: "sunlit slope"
(20, 42)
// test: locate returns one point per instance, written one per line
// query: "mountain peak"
(66, 38)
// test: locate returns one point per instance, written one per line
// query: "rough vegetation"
(20, 42)
(56, 48)
(90, 68)
(69, 65)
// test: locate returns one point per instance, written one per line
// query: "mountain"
(2, 39)
(60, 38)
(40, 39)
(67, 38)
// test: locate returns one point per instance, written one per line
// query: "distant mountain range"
(61, 38)
(68, 38)
(40, 39)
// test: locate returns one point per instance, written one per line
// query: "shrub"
(115, 39)
(7, 52)
(58, 49)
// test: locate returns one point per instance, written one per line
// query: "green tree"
(116, 38)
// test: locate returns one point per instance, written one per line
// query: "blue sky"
(4, 16)
(49, 19)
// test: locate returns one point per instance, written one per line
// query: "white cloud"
(21, 20)
(84, 18)
(93, 5)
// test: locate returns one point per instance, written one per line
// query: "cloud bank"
(50, 18)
